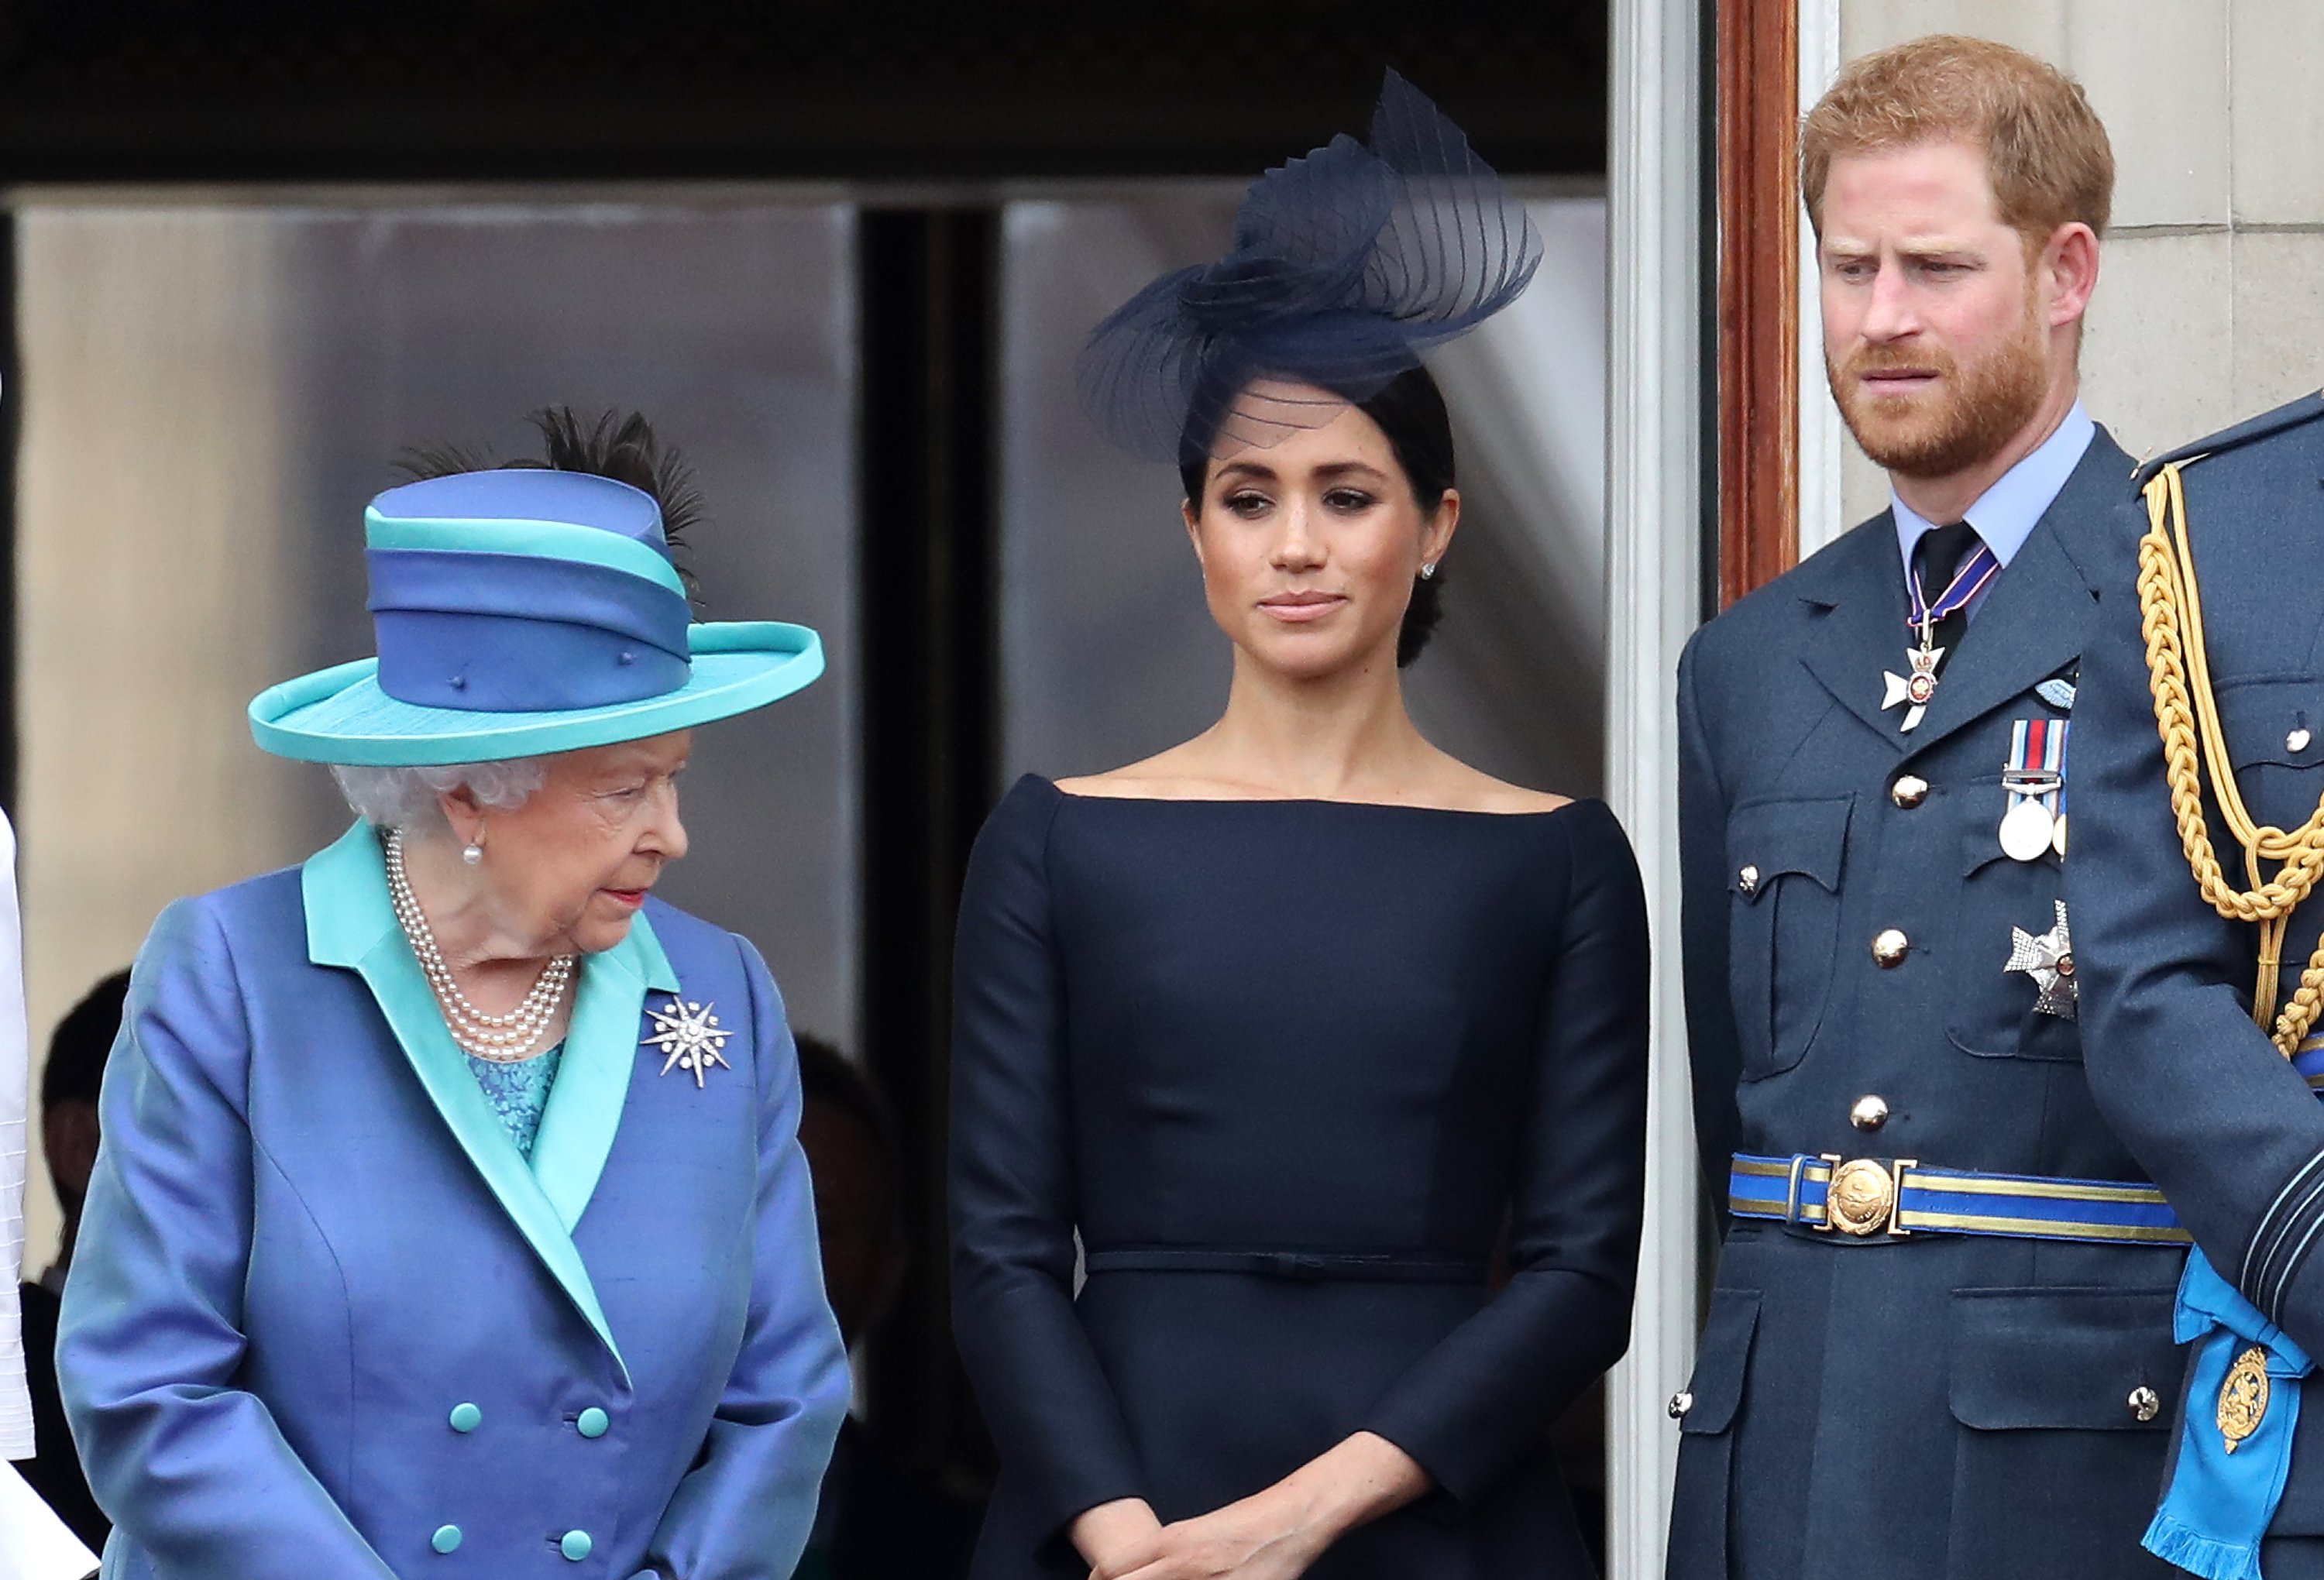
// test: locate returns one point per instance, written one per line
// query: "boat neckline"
(1065, 794)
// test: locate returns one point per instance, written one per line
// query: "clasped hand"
(1260, 1537)
(1271, 1535)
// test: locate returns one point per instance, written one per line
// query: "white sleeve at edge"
(16, 1100)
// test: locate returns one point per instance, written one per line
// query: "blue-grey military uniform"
(2223, 1118)
(1868, 1402)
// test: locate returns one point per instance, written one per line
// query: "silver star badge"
(1914, 690)
(689, 1037)
(2049, 960)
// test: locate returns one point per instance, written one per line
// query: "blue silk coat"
(325, 1320)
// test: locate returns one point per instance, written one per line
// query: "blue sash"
(2220, 1501)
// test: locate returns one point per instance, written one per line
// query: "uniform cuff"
(2285, 1245)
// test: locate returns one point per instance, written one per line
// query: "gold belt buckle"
(1862, 1197)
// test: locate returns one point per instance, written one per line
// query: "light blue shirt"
(2006, 514)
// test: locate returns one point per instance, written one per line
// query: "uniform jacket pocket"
(1722, 1362)
(1990, 1009)
(2025, 1359)
(2054, 1473)
(1785, 898)
(2274, 727)
(1701, 1517)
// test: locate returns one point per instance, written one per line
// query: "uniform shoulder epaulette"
(2291, 415)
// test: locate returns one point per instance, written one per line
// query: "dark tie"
(1936, 560)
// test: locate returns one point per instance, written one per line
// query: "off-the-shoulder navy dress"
(1291, 1069)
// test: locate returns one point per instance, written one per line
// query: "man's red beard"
(1966, 419)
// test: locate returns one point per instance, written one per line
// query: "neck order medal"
(1919, 687)
(1915, 690)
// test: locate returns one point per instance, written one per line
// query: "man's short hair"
(2046, 152)
(79, 1046)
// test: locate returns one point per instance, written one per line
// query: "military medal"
(2243, 1397)
(689, 1038)
(1915, 689)
(2049, 960)
(2035, 778)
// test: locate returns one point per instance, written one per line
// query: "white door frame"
(1654, 531)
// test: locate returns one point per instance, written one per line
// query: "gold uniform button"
(1681, 1402)
(1748, 881)
(1870, 1111)
(2146, 1404)
(1909, 791)
(1890, 947)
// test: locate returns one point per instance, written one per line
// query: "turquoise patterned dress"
(518, 1091)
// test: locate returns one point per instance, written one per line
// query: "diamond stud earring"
(1428, 570)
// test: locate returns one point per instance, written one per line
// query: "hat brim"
(340, 715)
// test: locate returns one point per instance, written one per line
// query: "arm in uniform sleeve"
(1713, 1049)
(2195, 1089)
(744, 1512)
(191, 1468)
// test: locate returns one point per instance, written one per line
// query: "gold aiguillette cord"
(2195, 748)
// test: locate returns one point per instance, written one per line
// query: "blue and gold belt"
(2310, 1062)
(1897, 1197)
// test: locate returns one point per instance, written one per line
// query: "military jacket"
(2180, 1067)
(1935, 1405)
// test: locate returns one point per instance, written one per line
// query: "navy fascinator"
(1346, 266)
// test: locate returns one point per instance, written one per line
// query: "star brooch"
(689, 1037)
(2049, 960)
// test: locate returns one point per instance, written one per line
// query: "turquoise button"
(467, 1418)
(593, 1422)
(576, 1545)
(447, 1539)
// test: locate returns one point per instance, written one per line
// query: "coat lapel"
(601, 1053)
(1858, 585)
(2038, 615)
(351, 925)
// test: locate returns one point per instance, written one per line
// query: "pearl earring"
(1428, 570)
(472, 854)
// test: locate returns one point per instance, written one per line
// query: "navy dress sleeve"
(1474, 1405)
(1046, 1401)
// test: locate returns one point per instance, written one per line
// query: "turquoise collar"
(350, 923)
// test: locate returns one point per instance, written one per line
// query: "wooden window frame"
(1756, 148)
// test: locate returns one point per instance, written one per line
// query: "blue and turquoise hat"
(521, 611)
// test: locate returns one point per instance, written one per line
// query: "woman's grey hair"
(405, 798)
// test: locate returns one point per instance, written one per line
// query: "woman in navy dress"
(1295, 1024)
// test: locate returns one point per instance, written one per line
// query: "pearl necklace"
(504, 1039)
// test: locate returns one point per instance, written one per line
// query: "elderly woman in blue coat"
(450, 1218)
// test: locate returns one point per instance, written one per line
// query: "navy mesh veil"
(1346, 266)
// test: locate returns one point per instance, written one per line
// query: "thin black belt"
(1306, 1266)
